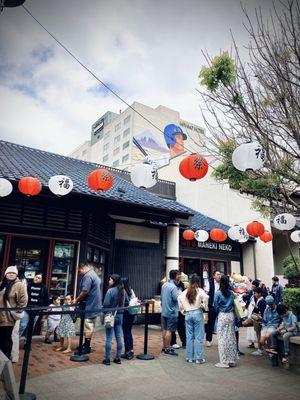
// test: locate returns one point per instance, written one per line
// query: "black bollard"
(22, 394)
(78, 356)
(146, 356)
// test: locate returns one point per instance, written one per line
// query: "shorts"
(267, 330)
(89, 325)
(169, 323)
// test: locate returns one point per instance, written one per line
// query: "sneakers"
(169, 352)
(232, 365)
(208, 344)
(176, 346)
(117, 360)
(240, 353)
(47, 341)
(189, 360)
(219, 365)
(201, 361)
(128, 356)
(257, 353)
(106, 361)
(251, 346)
(85, 350)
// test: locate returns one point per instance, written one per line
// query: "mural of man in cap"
(174, 138)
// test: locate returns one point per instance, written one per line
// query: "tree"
(259, 100)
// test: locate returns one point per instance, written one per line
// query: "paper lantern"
(201, 235)
(244, 238)
(255, 228)
(218, 235)
(266, 237)
(188, 234)
(295, 236)
(249, 157)
(5, 187)
(60, 185)
(193, 167)
(237, 233)
(100, 180)
(144, 175)
(284, 222)
(29, 186)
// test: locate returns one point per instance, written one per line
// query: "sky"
(148, 51)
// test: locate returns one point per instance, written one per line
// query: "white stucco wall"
(136, 233)
(281, 250)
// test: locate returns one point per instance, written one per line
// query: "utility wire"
(94, 75)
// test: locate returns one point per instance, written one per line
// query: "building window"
(116, 151)
(84, 152)
(125, 145)
(105, 158)
(118, 127)
(106, 135)
(125, 158)
(126, 133)
(126, 120)
(105, 147)
(116, 163)
(117, 139)
(99, 134)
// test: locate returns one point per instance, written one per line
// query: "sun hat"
(13, 269)
(269, 299)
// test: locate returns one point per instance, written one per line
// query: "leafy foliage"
(222, 70)
(291, 298)
(290, 270)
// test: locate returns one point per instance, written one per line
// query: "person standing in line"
(169, 311)
(37, 297)
(181, 319)
(90, 296)
(211, 289)
(53, 319)
(15, 333)
(12, 294)
(115, 297)
(276, 290)
(224, 306)
(66, 328)
(192, 302)
(128, 318)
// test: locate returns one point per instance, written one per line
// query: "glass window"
(117, 139)
(116, 163)
(116, 151)
(105, 158)
(105, 147)
(118, 127)
(62, 269)
(125, 158)
(126, 133)
(127, 120)
(125, 145)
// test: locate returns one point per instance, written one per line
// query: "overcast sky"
(147, 50)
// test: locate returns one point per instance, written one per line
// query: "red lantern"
(255, 228)
(218, 235)
(193, 167)
(188, 234)
(100, 180)
(30, 186)
(266, 237)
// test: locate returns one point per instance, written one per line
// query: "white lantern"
(60, 185)
(284, 222)
(244, 239)
(5, 187)
(295, 236)
(237, 232)
(201, 235)
(249, 157)
(144, 175)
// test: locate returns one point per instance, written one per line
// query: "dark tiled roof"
(17, 161)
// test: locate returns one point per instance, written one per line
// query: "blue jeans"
(24, 322)
(194, 327)
(117, 329)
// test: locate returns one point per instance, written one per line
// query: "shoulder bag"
(109, 319)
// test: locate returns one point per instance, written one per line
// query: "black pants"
(6, 340)
(127, 327)
(180, 329)
(209, 327)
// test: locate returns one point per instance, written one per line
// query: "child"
(52, 319)
(66, 328)
(287, 328)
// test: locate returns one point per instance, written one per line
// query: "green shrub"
(291, 298)
(290, 270)
(222, 70)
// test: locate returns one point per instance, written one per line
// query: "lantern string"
(100, 80)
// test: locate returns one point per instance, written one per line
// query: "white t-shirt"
(200, 302)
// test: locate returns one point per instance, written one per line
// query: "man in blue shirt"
(269, 322)
(169, 311)
(89, 294)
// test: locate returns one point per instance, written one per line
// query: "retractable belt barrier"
(81, 312)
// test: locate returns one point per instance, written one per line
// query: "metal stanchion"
(79, 357)
(146, 356)
(22, 394)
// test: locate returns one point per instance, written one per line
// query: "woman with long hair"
(128, 319)
(115, 297)
(224, 306)
(12, 294)
(192, 302)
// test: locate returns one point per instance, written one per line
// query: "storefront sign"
(215, 246)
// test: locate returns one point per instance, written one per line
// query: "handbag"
(238, 310)
(134, 302)
(17, 315)
(109, 319)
